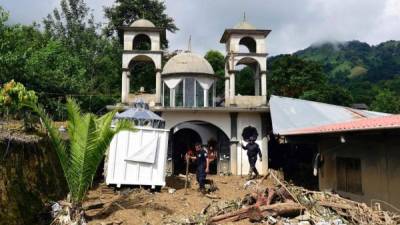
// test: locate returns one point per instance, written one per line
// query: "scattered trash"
(249, 183)
(171, 190)
(291, 205)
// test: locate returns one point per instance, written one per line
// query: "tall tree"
(124, 12)
(386, 101)
(98, 71)
(291, 76)
(217, 61)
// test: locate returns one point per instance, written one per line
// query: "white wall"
(244, 120)
(205, 132)
(219, 119)
(130, 35)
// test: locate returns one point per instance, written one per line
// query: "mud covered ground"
(137, 206)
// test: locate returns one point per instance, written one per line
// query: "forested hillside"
(70, 54)
(368, 72)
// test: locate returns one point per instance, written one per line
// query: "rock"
(107, 223)
(305, 217)
(271, 220)
(117, 222)
(322, 223)
(304, 223)
(171, 190)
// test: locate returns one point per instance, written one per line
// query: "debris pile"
(286, 204)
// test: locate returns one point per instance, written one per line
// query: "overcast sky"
(295, 24)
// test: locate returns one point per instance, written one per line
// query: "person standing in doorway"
(252, 151)
(202, 161)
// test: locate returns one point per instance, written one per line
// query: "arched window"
(142, 74)
(249, 43)
(142, 42)
(247, 77)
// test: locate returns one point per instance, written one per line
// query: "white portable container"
(138, 158)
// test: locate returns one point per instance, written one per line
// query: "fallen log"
(278, 209)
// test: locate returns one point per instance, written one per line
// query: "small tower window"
(249, 43)
(142, 42)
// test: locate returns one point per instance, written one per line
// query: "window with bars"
(348, 175)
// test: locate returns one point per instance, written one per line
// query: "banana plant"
(89, 136)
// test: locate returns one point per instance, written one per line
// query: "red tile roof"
(383, 122)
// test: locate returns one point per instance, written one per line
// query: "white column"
(232, 91)
(124, 92)
(158, 87)
(257, 82)
(172, 97)
(205, 97)
(227, 91)
(264, 87)
(128, 82)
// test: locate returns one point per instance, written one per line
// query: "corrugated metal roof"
(290, 114)
(383, 122)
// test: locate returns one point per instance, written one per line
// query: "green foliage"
(124, 12)
(386, 101)
(13, 99)
(14, 96)
(89, 138)
(292, 76)
(358, 67)
(3, 17)
(244, 81)
(217, 61)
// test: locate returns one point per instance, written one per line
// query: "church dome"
(142, 23)
(187, 63)
(244, 26)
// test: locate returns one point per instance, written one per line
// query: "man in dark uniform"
(252, 151)
(202, 166)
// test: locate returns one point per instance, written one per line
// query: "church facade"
(185, 94)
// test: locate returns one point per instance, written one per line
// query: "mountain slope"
(356, 60)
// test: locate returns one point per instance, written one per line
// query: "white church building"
(185, 94)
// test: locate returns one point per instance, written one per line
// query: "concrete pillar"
(264, 87)
(172, 97)
(128, 82)
(158, 87)
(234, 144)
(257, 81)
(232, 90)
(205, 97)
(227, 91)
(124, 91)
(264, 141)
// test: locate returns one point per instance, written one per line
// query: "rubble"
(289, 205)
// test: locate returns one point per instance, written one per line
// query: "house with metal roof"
(356, 153)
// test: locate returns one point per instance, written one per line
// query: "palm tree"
(80, 156)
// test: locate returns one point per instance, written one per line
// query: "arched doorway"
(184, 141)
(183, 137)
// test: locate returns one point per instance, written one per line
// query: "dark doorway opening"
(185, 135)
(184, 141)
(295, 160)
